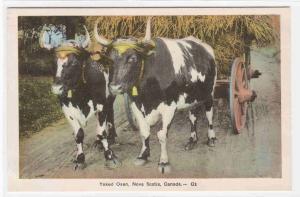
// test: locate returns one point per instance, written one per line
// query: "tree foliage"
(32, 59)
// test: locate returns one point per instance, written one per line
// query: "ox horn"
(87, 40)
(42, 42)
(99, 38)
(148, 30)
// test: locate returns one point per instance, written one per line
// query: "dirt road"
(256, 152)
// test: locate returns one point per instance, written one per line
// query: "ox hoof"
(164, 168)
(111, 159)
(211, 142)
(190, 145)
(113, 163)
(140, 162)
(79, 166)
(80, 162)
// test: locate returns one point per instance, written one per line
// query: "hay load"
(228, 35)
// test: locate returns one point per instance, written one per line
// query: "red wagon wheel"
(239, 94)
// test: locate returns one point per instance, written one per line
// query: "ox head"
(128, 56)
(70, 55)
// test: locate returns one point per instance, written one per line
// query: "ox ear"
(148, 47)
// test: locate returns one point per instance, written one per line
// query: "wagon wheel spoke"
(238, 94)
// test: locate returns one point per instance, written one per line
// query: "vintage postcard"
(156, 99)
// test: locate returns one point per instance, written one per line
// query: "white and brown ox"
(163, 75)
(81, 83)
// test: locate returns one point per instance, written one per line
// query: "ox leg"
(145, 135)
(80, 157)
(111, 159)
(110, 126)
(209, 115)
(193, 138)
(167, 116)
(79, 137)
(112, 134)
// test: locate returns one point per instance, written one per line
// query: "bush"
(38, 107)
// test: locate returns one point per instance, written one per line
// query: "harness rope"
(134, 91)
(66, 50)
(82, 74)
(122, 47)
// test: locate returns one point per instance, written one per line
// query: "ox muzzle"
(57, 87)
(115, 89)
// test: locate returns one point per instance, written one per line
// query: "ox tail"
(214, 66)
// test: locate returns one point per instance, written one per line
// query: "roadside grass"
(38, 107)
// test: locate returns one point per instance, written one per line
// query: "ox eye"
(132, 58)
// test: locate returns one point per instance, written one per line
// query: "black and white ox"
(162, 76)
(81, 83)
